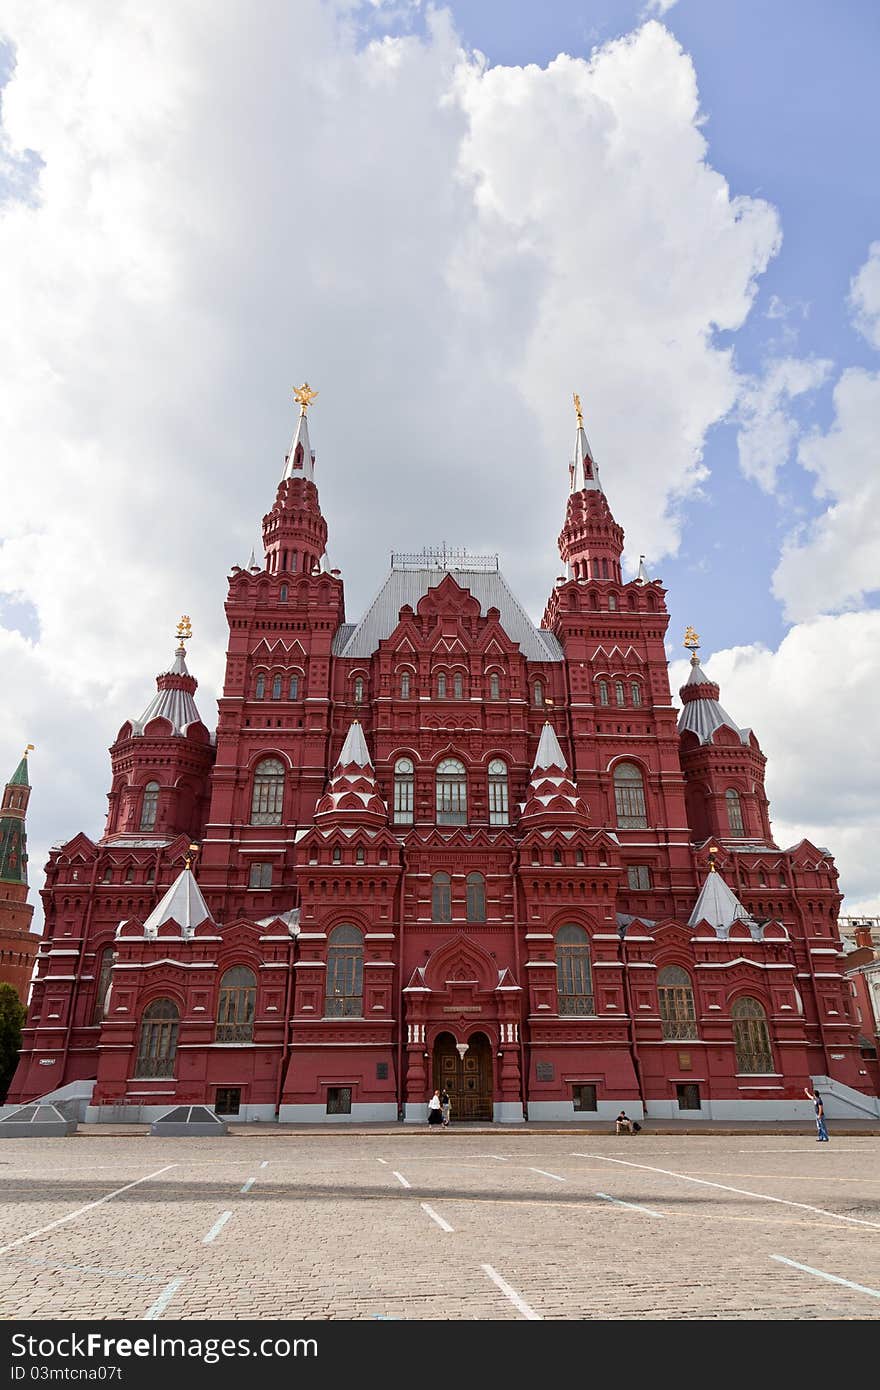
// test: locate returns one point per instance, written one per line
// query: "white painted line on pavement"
(265, 1163)
(740, 1191)
(401, 1179)
(248, 1185)
(71, 1216)
(512, 1294)
(382, 1160)
(545, 1174)
(444, 1225)
(832, 1278)
(217, 1228)
(633, 1206)
(163, 1300)
(499, 1158)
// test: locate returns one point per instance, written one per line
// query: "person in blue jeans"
(822, 1131)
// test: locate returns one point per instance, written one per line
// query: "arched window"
(603, 692)
(102, 990)
(618, 693)
(476, 898)
(404, 685)
(293, 689)
(268, 798)
(677, 1016)
(458, 686)
(494, 686)
(276, 687)
(441, 686)
(498, 804)
(734, 813)
(345, 974)
(451, 797)
(574, 982)
(441, 898)
(260, 691)
(149, 806)
(629, 797)
(612, 603)
(283, 594)
(235, 1013)
(359, 690)
(538, 693)
(751, 1038)
(635, 691)
(404, 791)
(157, 1045)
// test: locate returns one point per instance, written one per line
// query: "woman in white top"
(435, 1113)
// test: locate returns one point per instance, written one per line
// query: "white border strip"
(545, 1174)
(740, 1191)
(71, 1216)
(401, 1179)
(633, 1206)
(444, 1225)
(832, 1278)
(163, 1300)
(512, 1294)
(216, 1228)
(248, 1185)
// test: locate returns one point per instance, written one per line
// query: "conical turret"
(294, 531)
(352, 797)
(591, 542)
(552, 795)
(718, 905)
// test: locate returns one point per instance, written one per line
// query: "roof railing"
(442, 557)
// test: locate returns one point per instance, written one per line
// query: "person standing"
(445, 1107)
(435, 1114)
(821, 1127)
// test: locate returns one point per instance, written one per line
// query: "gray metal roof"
(720, 907)
(178, 706)
(702, 717)
(182, 903)
(408, 586)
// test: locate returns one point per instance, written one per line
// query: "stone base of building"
(382, 1113)
(508, 1112)
(768, 1110)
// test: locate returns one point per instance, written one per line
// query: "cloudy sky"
(447, 219)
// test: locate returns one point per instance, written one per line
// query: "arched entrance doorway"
(468, 1079)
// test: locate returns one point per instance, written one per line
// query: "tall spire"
(13, 837)
(551, 793)
(300, 460)
(352, 798)
(583, 469)
(294, 531)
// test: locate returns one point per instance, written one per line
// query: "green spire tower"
(13, 836)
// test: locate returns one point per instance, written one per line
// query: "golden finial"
(184, 629)
(577, 410)
(713, 850)
(692, 642)
(191, 853)
(304, 395)
(29, 748)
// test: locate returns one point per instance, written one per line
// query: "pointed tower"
(162, 761)
(719, 906)
(352, 798)
(294, 531)
(723, 764)
(591, 542)
(18, 945)
(552, 796)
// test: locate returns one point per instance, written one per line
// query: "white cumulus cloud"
(864, 297)
(769, 428)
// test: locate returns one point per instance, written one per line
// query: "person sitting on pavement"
(623, 1123)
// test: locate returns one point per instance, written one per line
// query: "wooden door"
(468, 1079)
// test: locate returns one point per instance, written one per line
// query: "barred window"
(260, 691)
(441, 898)
(538, 693)
(734, 813)
(574, 982)
(603, 692)
(451, 793)
(157, 1045)
(629, 797)
(283, 593)
(267, 801)
(359, 690)
(458, 686)
(751, 1038)
(494, 686)
(498, 800)
(638, 877)
(404, 685)
(235, 1012)
(441, 686)
(476, 898)
(276, 687)
(345, 974)
(260, 876)
(635, 691)
(618, 693)
(404, 791)
(102, 990)
(149, 806)
(677, 1014)
(293, 689)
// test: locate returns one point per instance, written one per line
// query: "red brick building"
(18, 944)
(440, 846)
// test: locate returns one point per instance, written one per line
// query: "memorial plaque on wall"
(544, 1071)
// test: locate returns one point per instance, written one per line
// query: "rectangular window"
(404, 792)
(381, 1071)
(338, 1100)
(498, 808)
(228, 1100)
(584, 1097)
(639, 877)
(688, 1096)
(260, 876)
